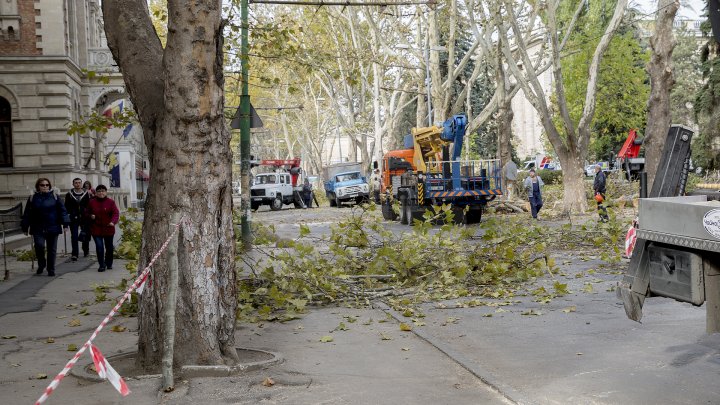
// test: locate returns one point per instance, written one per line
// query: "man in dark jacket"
(76, 201)
(44, 218)
(307, 194)
(599, 188)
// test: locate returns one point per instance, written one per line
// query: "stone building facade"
(47, 48)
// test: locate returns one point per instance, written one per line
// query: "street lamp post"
(244, 129)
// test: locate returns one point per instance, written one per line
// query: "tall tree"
(178, 94)
(571, 140)
(662, 44)
(706, 146)
(622, 84)
(687, 71)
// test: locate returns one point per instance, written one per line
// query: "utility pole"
(244, 129)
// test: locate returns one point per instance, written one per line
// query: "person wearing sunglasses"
(103, 214)
(44, 218)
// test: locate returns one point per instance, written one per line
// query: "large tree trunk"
(659, 68)
(505, 112)
(574, 197)
(178, 93)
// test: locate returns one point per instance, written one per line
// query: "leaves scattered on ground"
(361, 260)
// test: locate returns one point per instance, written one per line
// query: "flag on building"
(115, 107)
(127, 130)
(105, 370)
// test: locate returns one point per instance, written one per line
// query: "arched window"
(5, 133)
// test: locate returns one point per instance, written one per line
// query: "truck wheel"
(276, 204)
(337, 202)
(254, 206)
(459, 217)
(473, 216)
(360, 200)
(388, 213)
(331, 199)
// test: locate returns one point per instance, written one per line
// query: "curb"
(510, 393)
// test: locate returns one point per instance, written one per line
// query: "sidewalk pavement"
(372, 362)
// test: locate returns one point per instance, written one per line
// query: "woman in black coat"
(44, 218)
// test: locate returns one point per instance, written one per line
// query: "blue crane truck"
(437, 176)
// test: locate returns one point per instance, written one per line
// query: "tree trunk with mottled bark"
(659, 68)
(572, 146)
(178, 94)
(505, 112)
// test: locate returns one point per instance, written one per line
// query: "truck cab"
(346, 186)
(273, 189)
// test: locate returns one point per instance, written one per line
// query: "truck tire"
(473, 216)
(388, 213)
(254, 206)
(459, 215)
(360, 200)
(338, 203)
(277, 203)
(331, 199)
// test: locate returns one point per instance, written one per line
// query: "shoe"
(85, 254)
(51, 273)
(101, 269)
(74, 258)
(109, 267)
(39, 271)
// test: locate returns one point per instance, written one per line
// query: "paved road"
(577, 349)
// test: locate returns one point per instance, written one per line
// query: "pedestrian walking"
(89, 188)
(76, 202)
(307, 193)
(599, 188)
(510, 171)
(44, 218)
(375, 185)
(533, 184)
(103, 215)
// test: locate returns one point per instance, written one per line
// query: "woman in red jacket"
(103, 215)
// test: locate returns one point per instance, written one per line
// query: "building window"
(5, 133)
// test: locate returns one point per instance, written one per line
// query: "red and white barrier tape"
(141, 277)
(631, 238)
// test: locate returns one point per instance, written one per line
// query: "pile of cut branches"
(363, 260)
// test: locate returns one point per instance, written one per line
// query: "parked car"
(590, 170)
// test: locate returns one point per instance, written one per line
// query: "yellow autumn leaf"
(405, 327)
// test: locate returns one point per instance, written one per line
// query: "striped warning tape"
(56, 381)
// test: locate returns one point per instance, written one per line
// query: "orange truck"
(429, 172)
